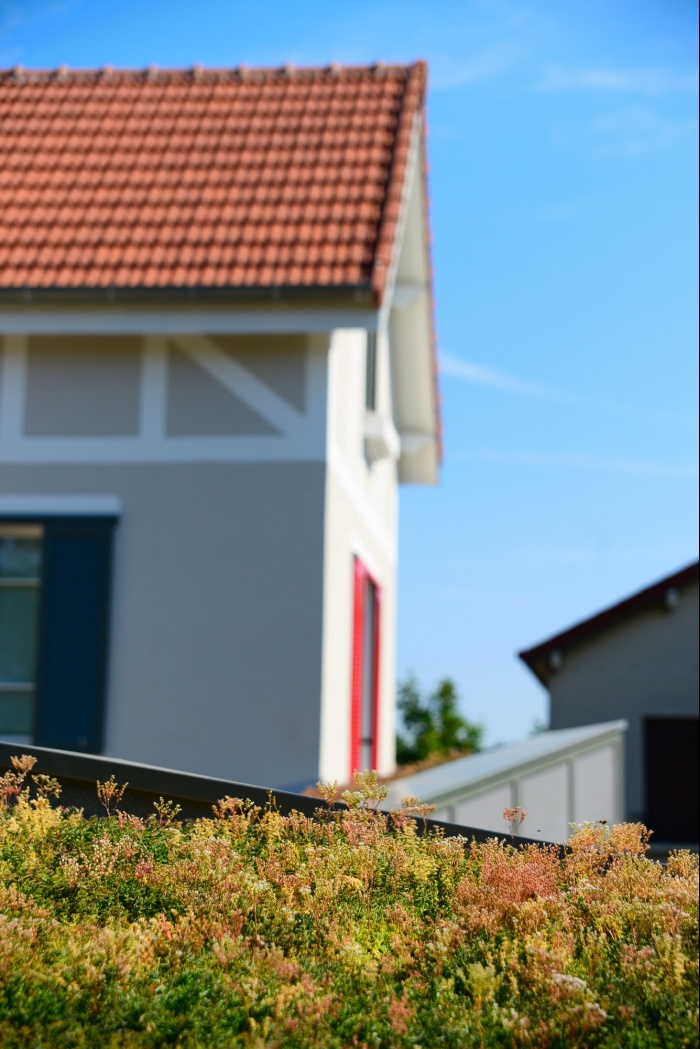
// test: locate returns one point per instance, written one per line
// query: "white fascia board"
(406, 314)
(411, 178)
(132, 321)
(406, 293)
(60, 506)
(264, 448)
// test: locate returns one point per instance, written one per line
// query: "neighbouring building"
(217, 363)
(637, 660)
(558, 778)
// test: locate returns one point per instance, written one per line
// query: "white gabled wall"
(559, 778)
(361, 519)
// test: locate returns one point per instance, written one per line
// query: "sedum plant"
(255, 929)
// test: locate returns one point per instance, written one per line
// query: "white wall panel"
(544, 796)
(485, 811)
(594, 786)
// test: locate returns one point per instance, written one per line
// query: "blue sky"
(564, 181)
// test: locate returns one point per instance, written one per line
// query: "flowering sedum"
(261, 930)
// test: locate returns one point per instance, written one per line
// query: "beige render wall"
(647, 665)
(283, 532)
(214, 655)
(216, 620)
(74, 391)
(361, 520)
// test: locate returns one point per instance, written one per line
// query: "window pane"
(20, 571)
(19, 619)
(16, 713)
(20, 552)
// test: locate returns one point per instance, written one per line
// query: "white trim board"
(13, 384)
(153, 391)
(246, 449)
(303, 439)
(61, 505)
(125, 321)
(354, 492)
(390, 297)
(241, 381)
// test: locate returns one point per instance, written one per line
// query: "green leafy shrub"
(432, 727)
(254, 929)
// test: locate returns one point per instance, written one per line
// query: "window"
(20, 593)
(672, 788)
(54, 605)
(365, 671)
(371, 372)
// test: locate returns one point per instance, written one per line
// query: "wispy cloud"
(469, 371)
(15, 14)
(479, 375)
(488, 63)
(601, 79)
(671, 554)
(637, 129)
(583, 461)
(674, 555)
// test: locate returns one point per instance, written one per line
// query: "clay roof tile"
(102, 168)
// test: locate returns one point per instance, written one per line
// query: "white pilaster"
(153, 388)
(13, 389)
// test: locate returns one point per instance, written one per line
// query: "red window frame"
(361, 579)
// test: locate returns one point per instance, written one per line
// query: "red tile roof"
(203, 179)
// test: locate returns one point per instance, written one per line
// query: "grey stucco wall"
(197, 404)
(73, 391)
(216, 622)
(646, 665)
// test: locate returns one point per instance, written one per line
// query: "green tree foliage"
(433, 725)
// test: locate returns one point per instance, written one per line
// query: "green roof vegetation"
(255, 929)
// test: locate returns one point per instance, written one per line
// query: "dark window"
(54, 605)
(371, 373)
(671, 753)
(20, 593)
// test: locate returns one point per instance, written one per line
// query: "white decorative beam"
(154, 378)
(239, 380)
(13, 389)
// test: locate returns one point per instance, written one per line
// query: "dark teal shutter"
(71, 674)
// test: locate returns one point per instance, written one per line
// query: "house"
(218, 364)
(573, 775)
(637, 660)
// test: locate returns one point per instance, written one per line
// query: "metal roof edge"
(204, 790)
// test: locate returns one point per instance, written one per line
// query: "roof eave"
(291, 295)
(403, 262)
(537, 657)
